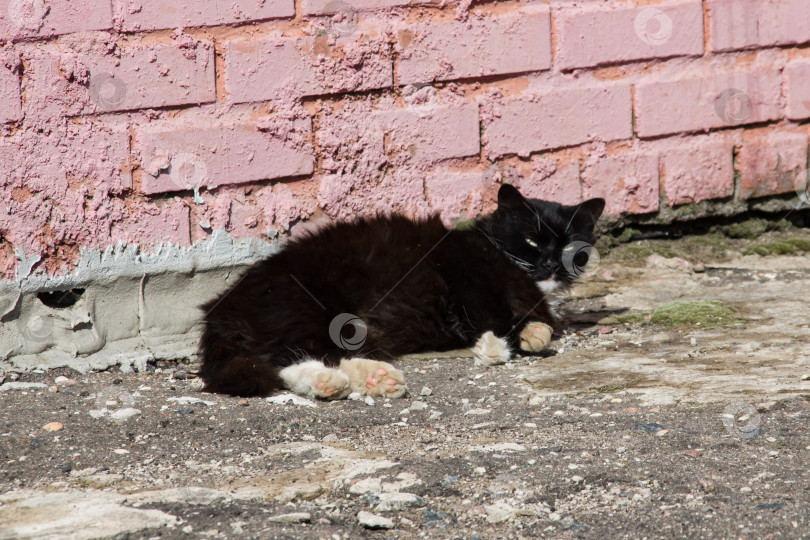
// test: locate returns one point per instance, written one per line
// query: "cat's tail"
(227, 370)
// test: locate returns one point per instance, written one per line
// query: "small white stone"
(22, 386)
(425, 391)
(124, 414)
(373, 521)
(120, 451)
(577, 479)
(499, 512)
(369, 401)
(355, 396)
(418, 406)
(480, 471)
(435, 415)
(295, 517)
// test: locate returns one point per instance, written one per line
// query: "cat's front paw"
(374, 378)
(490, 350)
(535, 337)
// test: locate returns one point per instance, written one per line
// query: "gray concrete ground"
(649, 418)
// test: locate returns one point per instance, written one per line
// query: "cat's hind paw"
(331, 384)
(535, 337)
(491, 350)
(374, 378)
(312, 378)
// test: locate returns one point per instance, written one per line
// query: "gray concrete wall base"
(134, 308)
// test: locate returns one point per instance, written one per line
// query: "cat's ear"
(587, 214)
(510, 199)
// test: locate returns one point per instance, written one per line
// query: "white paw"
(331, 384)
(491, 350)
(535, 337)
(374, 378)
(312, 378)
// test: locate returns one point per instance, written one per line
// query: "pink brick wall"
(148, 121)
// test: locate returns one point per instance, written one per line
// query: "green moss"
(464, 224)
(802, 244)
(610, 388)
(791, 246)
(706, 314)
(750, 229)
(627, 235)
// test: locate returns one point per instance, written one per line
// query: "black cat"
(318, 316)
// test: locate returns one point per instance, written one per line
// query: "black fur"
(416, 285)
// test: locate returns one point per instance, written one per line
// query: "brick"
(596, 35)
(92, 151)
(30, 18)
(627, 182)
(562, 186)
(157, 14)
(699, 171)
(184, 157)
(263, 69)
(769, 165)
(144, 77)
(428, 136)
(797, 89)
(450, 193)
(558, 119)
(709, 101)
(169, 224)
(10, 105)
(513, 43)
(743, 24)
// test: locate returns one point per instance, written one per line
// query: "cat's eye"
(531, 242)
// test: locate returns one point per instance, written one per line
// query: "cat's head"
(551, 241)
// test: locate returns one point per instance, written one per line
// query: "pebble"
(53, 426)
(418, 406)
(763, 406)
(120, 451)
(282, 400)
(369, 401)
(373, 521)
(499, 512)
(478, 411)
(425, 391)
(330, 438)
(22, 386)
(355, 396)
(577, 479)
(124, 414)
(294, 517)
